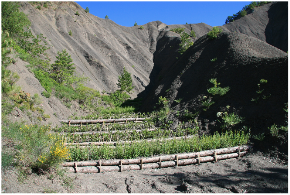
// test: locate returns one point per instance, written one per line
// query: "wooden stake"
(120, 165)
(198, 158)
(100, 163)
(239, 152)
(176, 158)
(160, 163)
(75, 167)
(69, 123)
(215, 156)
(141, 164)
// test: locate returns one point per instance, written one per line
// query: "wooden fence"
(157, 162)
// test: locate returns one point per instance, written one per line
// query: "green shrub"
(217, 90)
(125, 82)
(106, 17)
(192, 34)
(141, 27)
(38, 149)
(214, 32)
(38, 7)
(63, 69)
(186, 41)
(243, 13)
(70, 33)
(87, 10)
(135, 24)
(77, 13)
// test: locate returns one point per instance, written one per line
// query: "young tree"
(63, 68)
(13, 20)
(135, 24)
(125, 82)
(87, 10)
(106, 17)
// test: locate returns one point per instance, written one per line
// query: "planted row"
(105, 127)
(145, 149)
(126, 136)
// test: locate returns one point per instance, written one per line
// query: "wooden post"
(198, 158)
(81, 124)
(160, 163)
(120, 165)
(100, 163)
(215, 156)
(75, 167)
(69, 123)
(239, 152)
(176, 158)
(141, 164)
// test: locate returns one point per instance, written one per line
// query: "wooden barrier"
(157, 162)
(70, 122)
(95, 132)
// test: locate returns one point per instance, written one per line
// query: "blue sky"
(126, 13)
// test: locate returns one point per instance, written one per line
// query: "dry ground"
(253, 173)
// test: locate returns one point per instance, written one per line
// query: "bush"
(70, 33)
(87, 10)
(125, 82)
(38, 149)
(214, 32)
(135, 24)
(217, 90)
(192, 34)
(77, 13)
(141, 27)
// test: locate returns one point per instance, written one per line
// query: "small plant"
(178, 101)
(229, 119)
(87, 10)
(77, 13)
(213, 60)
(141, 27)
(135, 24)
(217, 90)
(70, 33)
(38, 7)
(186, 41)
(260, 91)
(274, 130)
(45, 4)
(207, 103)
(214, 32)
(192, 34)
(106, 17)
(259, 137)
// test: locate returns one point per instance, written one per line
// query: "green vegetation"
(213, 60)
(186, 41)
(106, 17)
(87, 10)
(214, 32)
(70, 33)
(77, 13)
(229, 120)
(157, 147)
(192, 34)
(141, 27)
(260, 91)
(247, 9)
(217, 90)
(135, 24)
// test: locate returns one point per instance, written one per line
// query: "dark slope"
(242, 61)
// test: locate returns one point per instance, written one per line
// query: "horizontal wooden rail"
(95, 132)
(70, 122)
(158, 161)
(122, 142)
